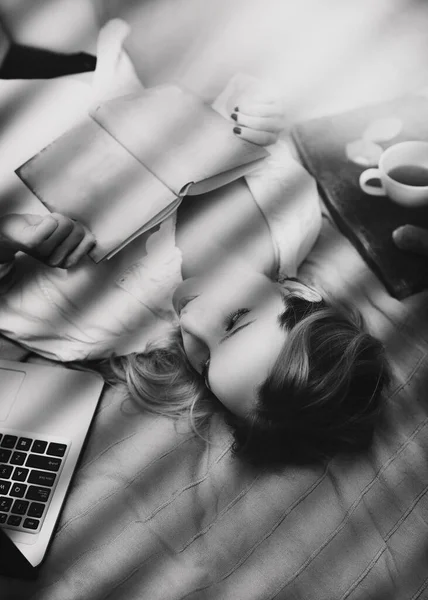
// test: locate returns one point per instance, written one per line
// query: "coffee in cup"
(402, 174)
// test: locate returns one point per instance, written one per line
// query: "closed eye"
(235, 331)
(234, 317)
(231, 320)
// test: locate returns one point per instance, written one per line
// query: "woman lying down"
(205, 313)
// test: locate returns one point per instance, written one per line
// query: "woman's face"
(231, 333)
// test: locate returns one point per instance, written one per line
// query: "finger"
(68, 245)
(82, 250)
(39, 229)
(63, 230)
(262, 123)
(260, 109)
(261, 138)
(412, 239)
(27, 231)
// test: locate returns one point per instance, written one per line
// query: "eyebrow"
(235, 331)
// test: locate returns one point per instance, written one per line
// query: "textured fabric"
(118, 305)
(156, 513)
(288, 198)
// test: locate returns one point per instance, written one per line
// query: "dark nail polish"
(237, 130)
(234, 116)
(236, 109)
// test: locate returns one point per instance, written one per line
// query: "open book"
(126, 167)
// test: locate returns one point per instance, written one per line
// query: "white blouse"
(92, 310)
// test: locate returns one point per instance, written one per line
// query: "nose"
(196, 338)
(196, 323)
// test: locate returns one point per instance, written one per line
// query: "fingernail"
(234, 116)
(403, 238)
(402, 232)
(236, 109)
(397, 233)
(237, 130)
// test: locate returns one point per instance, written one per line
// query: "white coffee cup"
(403, 174)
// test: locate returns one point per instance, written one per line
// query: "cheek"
(232, 386)
(195, 352)
(236, 373)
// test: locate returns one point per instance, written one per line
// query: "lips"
(186, 291)
(184, 302)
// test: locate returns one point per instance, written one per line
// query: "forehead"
(240, 365)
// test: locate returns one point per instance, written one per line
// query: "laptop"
(45, 415)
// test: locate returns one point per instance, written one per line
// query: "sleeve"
(282, 188)
(287, 196)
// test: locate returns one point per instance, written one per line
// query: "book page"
(213, 183)
(86, 175)
(164, 214)
(176, 136)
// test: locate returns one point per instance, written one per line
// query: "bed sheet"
(156, 513)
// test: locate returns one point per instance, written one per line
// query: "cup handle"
(371, 189)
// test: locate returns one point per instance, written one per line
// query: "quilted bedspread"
(157, 513)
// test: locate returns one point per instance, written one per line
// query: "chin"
(184, 290)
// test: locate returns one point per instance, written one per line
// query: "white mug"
(403, 174)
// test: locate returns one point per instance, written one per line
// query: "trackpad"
(10, 383)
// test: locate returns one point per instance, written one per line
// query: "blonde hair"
(324, 393)
(322, 396)
(162, 381)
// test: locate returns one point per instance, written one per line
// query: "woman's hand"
(411, 239)
(259, 120)
(54, 239)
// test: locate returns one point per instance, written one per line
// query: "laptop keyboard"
(29, 470)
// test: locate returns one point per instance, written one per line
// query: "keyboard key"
(5, 487)
(5, 455)
(38, 493)
(18, 490)
(31, 523)
(5, 471)
(20, 507)
(20, 474)
(36, 510)
(42, 478)
(56, 449)
(14, 520)
(3, 518)
(18, 458)
(24, 444)
(43, 462)
(5, 504)
(9, 441)
(39, 446)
